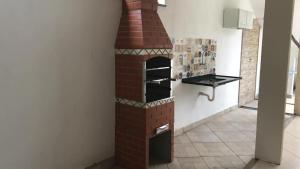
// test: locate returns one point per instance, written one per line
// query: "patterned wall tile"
(193, 57)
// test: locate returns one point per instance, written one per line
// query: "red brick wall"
(129, 77)
(131, 140)
(139, 4)
(140, 27)
(134, 128)
(159, 116)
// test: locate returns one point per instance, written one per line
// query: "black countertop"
(210, 80)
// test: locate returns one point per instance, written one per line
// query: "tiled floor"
(226, 142)
(291, 149)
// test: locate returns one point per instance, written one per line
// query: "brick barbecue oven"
(144, 106)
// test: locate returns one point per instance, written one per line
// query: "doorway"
(249, 62)
(291, 82)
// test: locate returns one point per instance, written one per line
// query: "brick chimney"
(141, 27)
(144, 106)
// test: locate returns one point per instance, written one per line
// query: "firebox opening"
(160, 149)
(158, 79)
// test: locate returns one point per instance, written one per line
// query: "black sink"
(210, 80)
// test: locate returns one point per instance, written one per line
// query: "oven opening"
(160, 149)
(158, 79)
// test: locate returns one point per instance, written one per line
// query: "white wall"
(57, 82)
(295, 53)
(296, 24)
(259, 63)
(204, 19)
(57, 76)
(294, 50)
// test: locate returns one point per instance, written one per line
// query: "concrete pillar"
(273, 84)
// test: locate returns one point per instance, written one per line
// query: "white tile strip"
(144, 105)
(142, 52)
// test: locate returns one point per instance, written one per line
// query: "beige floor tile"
(233, 126)
(220, 120)
(242, 148)
(174, 165)
(192, 163)
(294, 128)
(182, 139)
(292, 144)
(293, 133)
(239, 115)
(221, 126)
(246, 159)
(203, 136)
(185, 150)
(253, 104)
(232, 118)
(224, 162)
(252, 117)
(211, 162)
(201, 128)
(159, 166)
(213, 149)
(264, 165)
(232, 136)
(251, 136)
(245, 126)
(291, 149)
(290, 160)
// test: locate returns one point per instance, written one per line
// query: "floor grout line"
(197, 149)
(291, 134)
(229, 148)
(295, 155)
(295, 137)
(227, 121)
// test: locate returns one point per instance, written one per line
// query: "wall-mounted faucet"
(202, 56)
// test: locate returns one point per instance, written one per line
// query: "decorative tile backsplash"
(193, 57)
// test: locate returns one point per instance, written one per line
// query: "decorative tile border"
(143, 52)
(144, 105)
